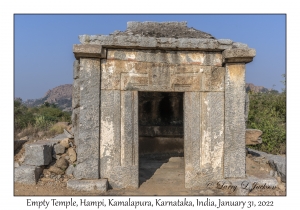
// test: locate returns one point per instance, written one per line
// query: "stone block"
(239, 45)
(140, 42)
(234, 145)
(38, 154)
(27, 174)
(88, 51)
(225, 41)
(58, 149)
(253, 136)
(88, 121)
(238, 55)
(99, 185)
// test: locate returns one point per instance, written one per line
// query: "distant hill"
(60, 95)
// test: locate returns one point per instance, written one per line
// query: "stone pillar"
(234, 145)
(204, 137)
(119, 138)
(86, 105)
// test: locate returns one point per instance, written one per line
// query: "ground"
(157, 177)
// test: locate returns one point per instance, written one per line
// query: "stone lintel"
(88, 51)
(238, 55)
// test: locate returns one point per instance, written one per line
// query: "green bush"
(41, 118)
(267, 112)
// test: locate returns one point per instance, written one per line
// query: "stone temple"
(155, 88)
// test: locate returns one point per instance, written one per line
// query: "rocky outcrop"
(60, 95)
(256, 89)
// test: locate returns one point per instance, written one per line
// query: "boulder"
(62, 163)
(276, 162)
(72, 154)
(65, 142)
(56, 170)
(59, 149)
(70, 170)
(253, 136)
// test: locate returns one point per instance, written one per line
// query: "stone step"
(99, 185)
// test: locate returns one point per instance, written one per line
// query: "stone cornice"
(94, 46)
(238, 55)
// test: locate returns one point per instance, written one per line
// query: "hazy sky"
(43, 57)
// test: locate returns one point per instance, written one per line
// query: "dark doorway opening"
(160, 130)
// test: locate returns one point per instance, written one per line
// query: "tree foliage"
(267, 112)
(39, 117)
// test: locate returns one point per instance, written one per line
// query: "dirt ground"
(157, 177)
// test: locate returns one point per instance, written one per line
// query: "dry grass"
(34, 132)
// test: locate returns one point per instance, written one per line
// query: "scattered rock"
(22, 158)
(276, 162)
(65, 142)
(278, 179)
(44, 179)
(25, 138)
(62, 163)
(58, 176)
(252, 136)
(40, 133)
(272, 173)
(69, 135)
(70, 170)
(59, 149)
(57, 157)
(56, 170)
(67, 157)
(281, 186)
(72, 154)
(16, 164)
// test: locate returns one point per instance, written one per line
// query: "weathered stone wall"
(198, 74)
